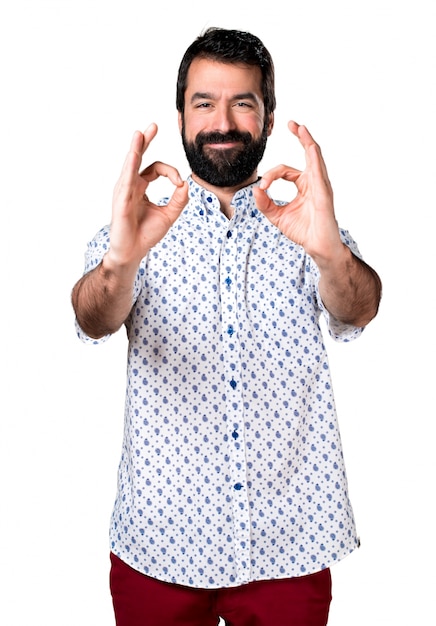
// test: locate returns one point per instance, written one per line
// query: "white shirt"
(232, 467)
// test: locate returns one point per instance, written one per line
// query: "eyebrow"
(205, 95)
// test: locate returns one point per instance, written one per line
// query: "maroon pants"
(142, 601)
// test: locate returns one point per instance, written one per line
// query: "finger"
(138, 145)
(129, 172)
(314, 158)
(156, 169)
(128, 180)
(263, 201)
(305, 138)
(284, 172)
(133, 159)
(179, 199)
(149, 134)
(293, 127)
(301, 131)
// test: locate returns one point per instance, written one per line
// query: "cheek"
(255, 125)
(192, 128)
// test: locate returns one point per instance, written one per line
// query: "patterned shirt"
(232, 468)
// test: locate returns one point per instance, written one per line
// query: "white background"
(77, 78)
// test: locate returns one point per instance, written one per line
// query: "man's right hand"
(102, 298)
(138, 224)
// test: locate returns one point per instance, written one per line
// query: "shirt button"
(233, 384)
(229, 234)
(235, 434)
(228, 281)
(230, 330)
(238, 486)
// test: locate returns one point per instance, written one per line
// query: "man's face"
(223, 126)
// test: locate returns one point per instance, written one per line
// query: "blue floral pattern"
(232, 468)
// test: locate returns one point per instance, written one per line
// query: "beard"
(228, 167)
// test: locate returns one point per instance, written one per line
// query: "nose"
(223, 120)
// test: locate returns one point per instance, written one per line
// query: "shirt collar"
(206, 203)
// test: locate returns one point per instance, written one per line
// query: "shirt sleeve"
(338, 330)
(95, 251)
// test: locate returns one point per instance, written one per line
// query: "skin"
(232, 100)
(220, 97)
(350, 289)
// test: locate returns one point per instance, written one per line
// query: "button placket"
(235, 432)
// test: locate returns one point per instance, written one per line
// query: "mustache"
(217, 137)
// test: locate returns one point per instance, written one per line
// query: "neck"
(225, 194)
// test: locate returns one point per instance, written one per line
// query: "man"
(232, 495)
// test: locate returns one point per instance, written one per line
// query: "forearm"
(102, 298)
(350, 289)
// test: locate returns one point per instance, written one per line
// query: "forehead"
(223, 79)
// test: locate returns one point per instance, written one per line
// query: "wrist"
(118, 271)
(337, 259)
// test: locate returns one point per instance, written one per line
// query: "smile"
(223, 146)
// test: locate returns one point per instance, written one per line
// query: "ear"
(270, 124)
(179, 116)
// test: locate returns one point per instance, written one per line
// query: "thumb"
(179, 199)
(263, 201)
